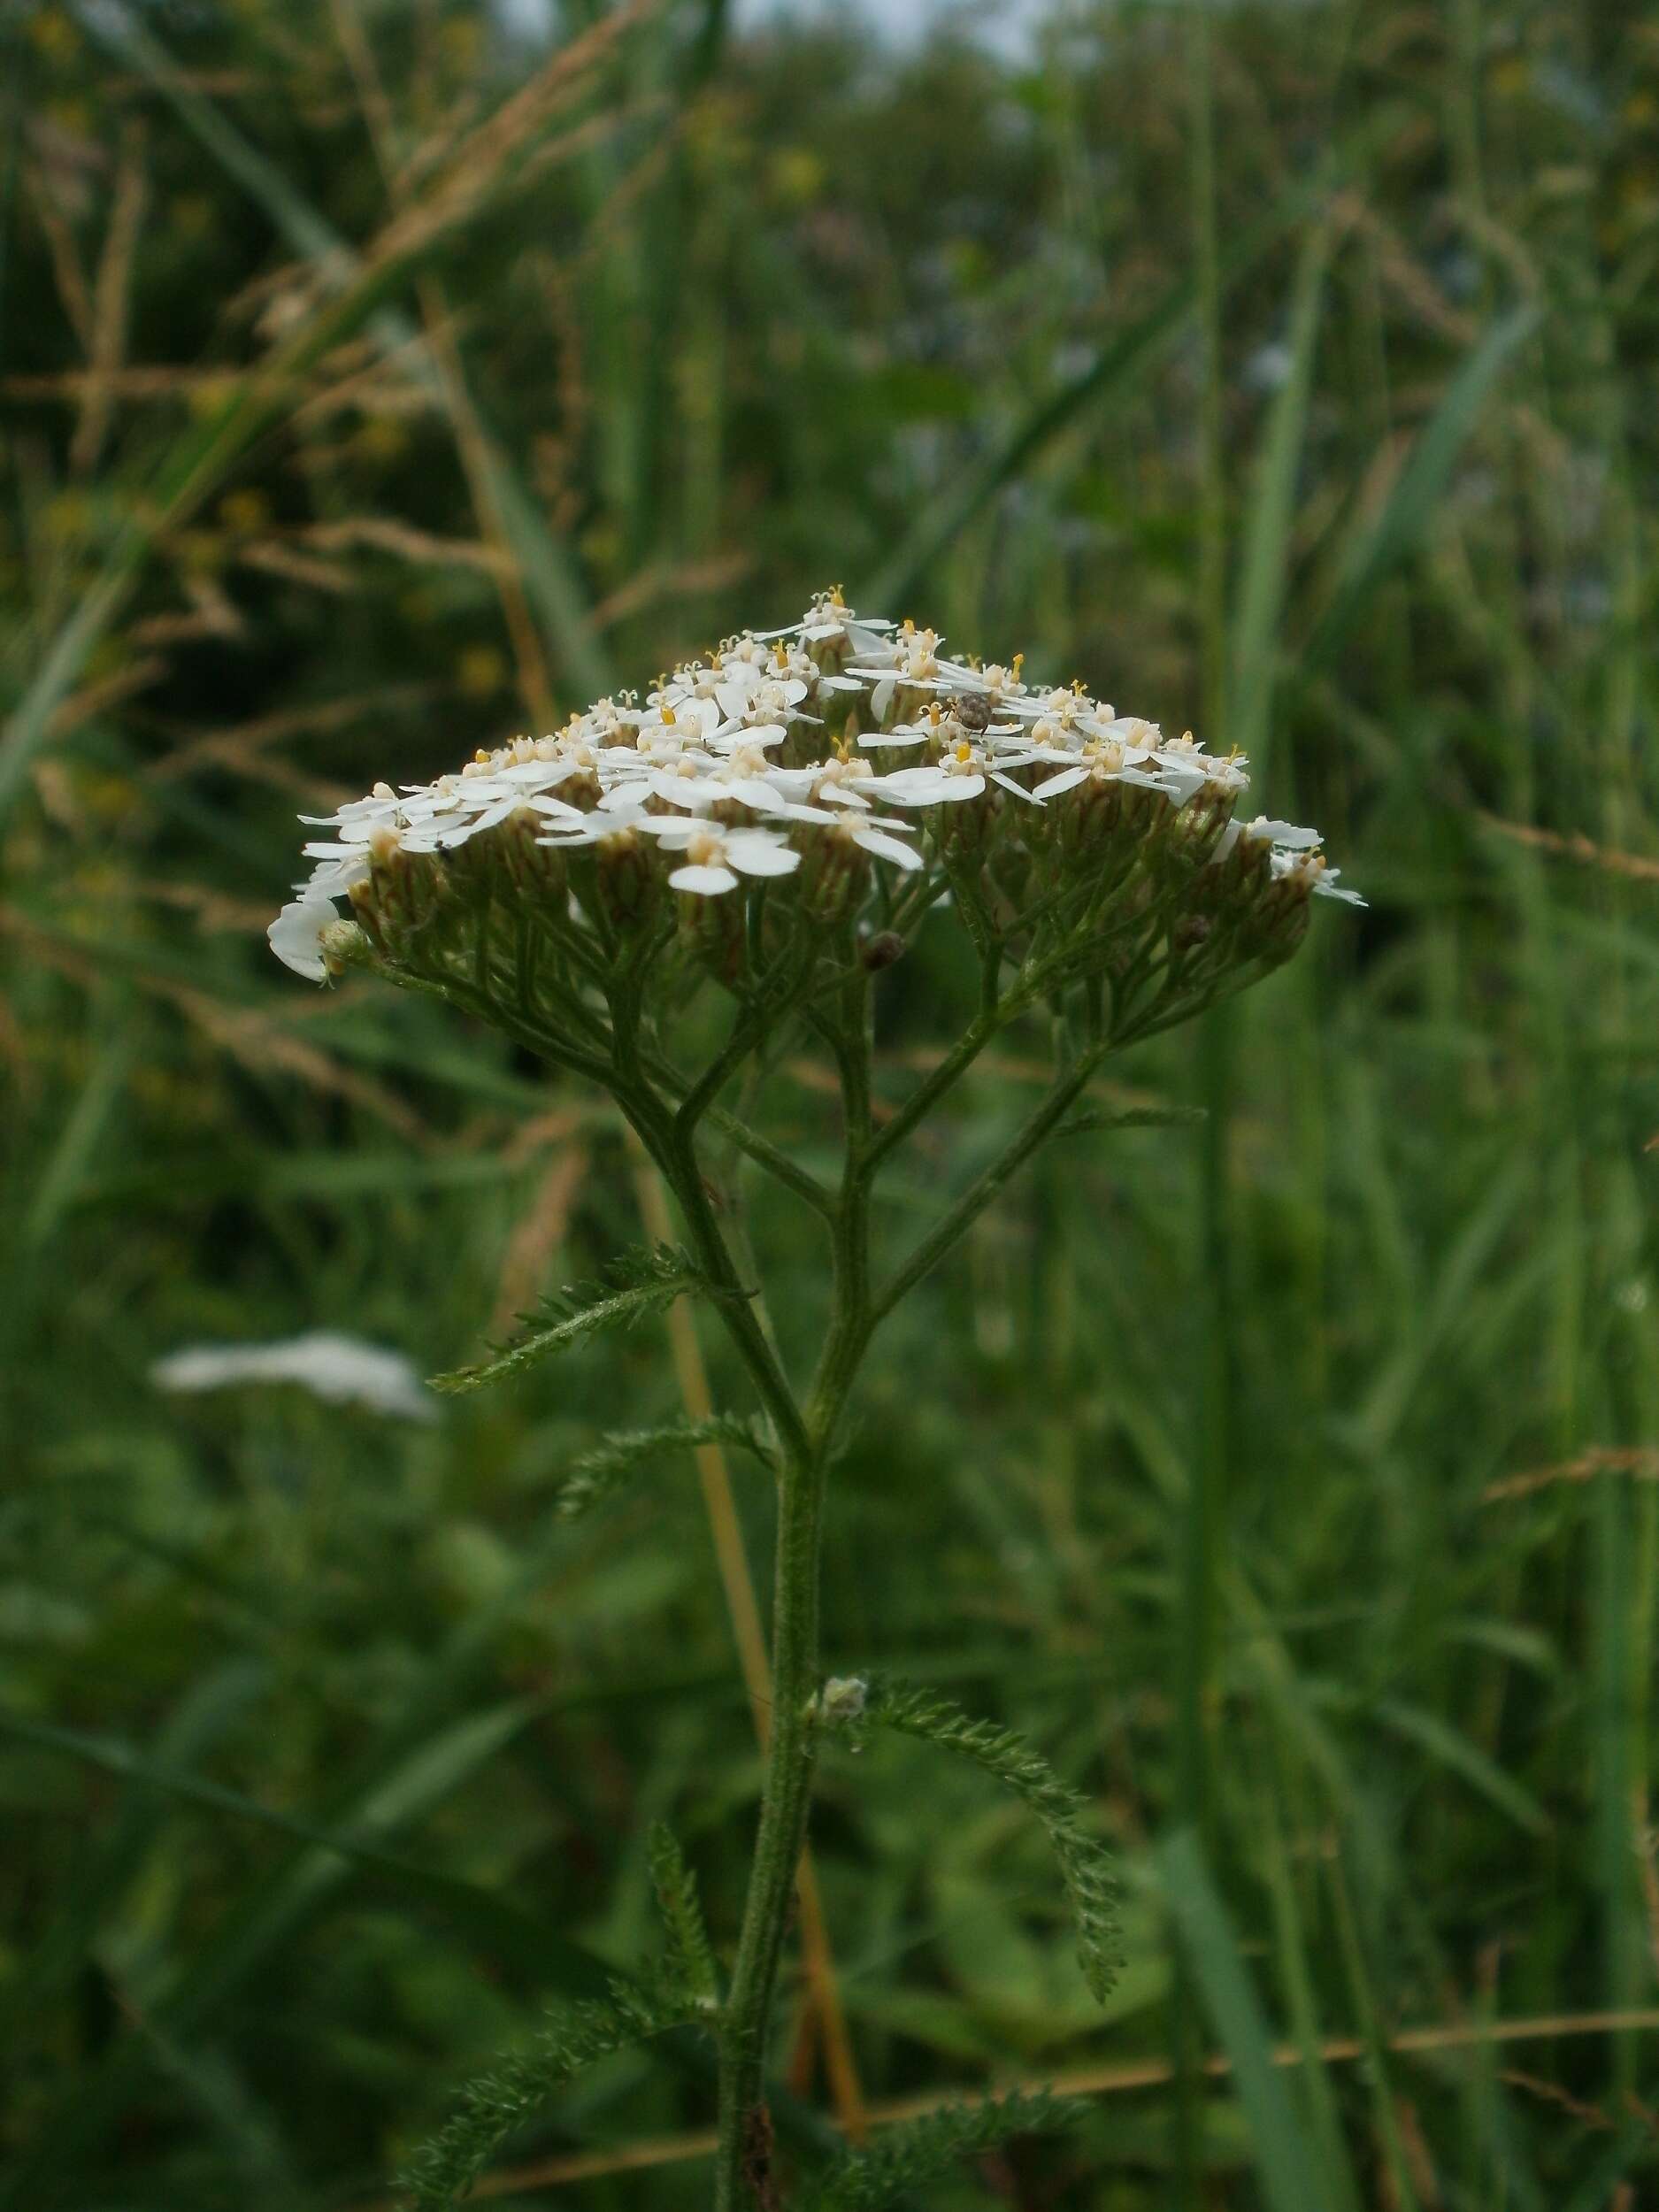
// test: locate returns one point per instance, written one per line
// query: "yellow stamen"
(964, 751)
(668, 714)
(1019, 662)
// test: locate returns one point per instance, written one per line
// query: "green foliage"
(519, 2085)
(909, 2158)
(638, 1284)
(690, 1960)
(1085, 1863)
(599, 1473)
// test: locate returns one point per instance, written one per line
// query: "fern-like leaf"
(1084, 1864)
(638, 1284)
(690, 1957)
(600, 1472)
(520, 2083)
(905, 2159)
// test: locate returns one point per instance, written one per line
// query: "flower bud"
(342, 945)
(833, 875)
(714, 932)
(881, 950)
(408, 891)
(624, 876)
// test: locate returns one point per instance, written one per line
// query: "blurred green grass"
(374, 386)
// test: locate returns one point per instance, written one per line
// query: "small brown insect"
(973, 709)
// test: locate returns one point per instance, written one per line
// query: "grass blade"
(1284, 2158)
(1380, 545)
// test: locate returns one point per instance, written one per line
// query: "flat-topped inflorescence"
(797, 791)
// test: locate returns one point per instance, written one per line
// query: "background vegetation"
(378, 379)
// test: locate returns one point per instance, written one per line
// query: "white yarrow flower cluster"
(805, 756)
(338, 1369)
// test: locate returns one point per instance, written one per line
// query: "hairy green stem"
(742, 2158)
(805, 1439)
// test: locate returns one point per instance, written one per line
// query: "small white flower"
(340, 1370)
(1103, 760)
(296, 934)
(716, 857)
(1311, 868)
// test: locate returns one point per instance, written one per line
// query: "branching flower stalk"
(776, 824)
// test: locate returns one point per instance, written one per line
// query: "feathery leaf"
(1084, 1863)
(908, 2158)
(600, 1472)
(690, 1958)
(637, 1283)
(521, 2082)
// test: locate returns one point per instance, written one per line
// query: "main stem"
(803, 1438)
(744, 2157)
(804, 1435)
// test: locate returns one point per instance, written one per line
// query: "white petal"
(1285, 833)
(753, 791)
(1181, 779)
(331, 876)
(735, 697)
(1067, 780)
(1325, 887)
(929, 787)
(885, 847)
(758, 855)
(762, 734)
(1019, 789)
(297, 936)
(792, 810)
(706, 882)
